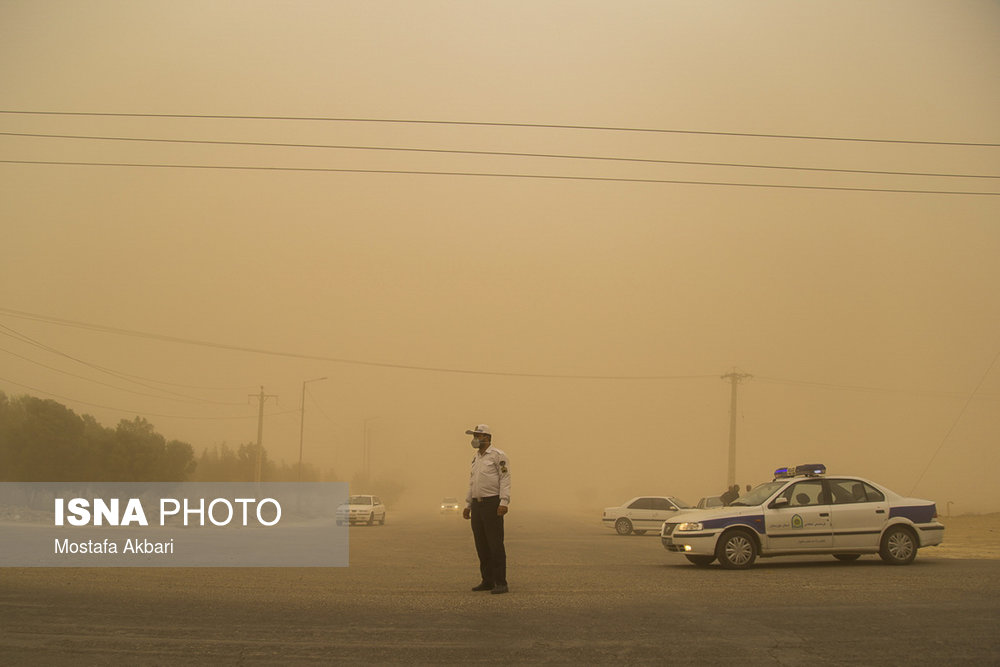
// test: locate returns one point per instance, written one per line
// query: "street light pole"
(366, 453)
(302, 421)
(735, 378)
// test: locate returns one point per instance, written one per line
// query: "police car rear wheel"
(899, 546)
(623, 526)
(736, 550)
(701, 561)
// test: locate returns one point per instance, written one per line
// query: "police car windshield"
(759, 494)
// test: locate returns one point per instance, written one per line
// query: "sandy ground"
(579, 595)
(968, 536)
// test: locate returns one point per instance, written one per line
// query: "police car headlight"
(689, 526)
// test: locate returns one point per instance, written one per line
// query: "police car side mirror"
(779, 502)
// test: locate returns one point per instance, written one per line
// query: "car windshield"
(450, 501)
(680, 503)
(759, 494)
(360, 500)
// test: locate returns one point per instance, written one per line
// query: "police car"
(804, 511)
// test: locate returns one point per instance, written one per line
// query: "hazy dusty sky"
(867, 318)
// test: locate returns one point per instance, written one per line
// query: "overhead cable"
(415, 121)
(341, 360)
(442, 151)
(31, 341)
(141, 413)
(412, 172)
(958, 418)
(865, 389)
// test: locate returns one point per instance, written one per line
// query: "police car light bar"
(808, 469)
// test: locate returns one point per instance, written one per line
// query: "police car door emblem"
(796, 521)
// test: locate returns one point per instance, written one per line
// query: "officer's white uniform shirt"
(489, 476)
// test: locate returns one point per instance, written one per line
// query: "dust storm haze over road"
(584, 308)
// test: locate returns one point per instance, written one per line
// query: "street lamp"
(302, 422)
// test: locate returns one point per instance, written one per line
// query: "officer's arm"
(505, 482)
(467, 512)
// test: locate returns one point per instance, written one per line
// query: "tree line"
(42, 440)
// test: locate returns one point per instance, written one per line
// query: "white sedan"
(361, 509)
(642, 513)
(803, 511)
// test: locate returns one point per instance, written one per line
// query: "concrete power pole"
(735, 378)
(302, 422)
(260, 432)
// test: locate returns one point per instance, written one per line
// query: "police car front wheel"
(737, 550)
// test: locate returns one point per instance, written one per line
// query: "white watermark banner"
(163, 524)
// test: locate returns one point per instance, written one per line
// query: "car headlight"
(689, 526)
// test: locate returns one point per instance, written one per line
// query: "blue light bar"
(807, 469)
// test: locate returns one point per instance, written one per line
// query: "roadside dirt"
(968, 536)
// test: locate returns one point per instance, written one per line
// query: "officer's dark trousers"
(487, 528)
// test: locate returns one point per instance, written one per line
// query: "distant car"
(803, 511)
(709, 501)
(361, 509)
(450, 506)
(642, 513)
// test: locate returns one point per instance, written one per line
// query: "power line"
(81, 377)
(134, 412)
(298, 355)
(313, 357)
(860, 388)
(410, 172)
(958, 418)
(320, 407)
(27, 339)
(413, 121)
(441, 151)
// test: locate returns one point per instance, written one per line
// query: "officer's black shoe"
(498, 589)
(483, 587)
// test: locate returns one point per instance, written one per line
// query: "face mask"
(475, 444)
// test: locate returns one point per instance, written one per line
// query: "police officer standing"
(485, 504)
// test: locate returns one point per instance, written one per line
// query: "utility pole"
(302, 421)
(366, 453)
(260, 431)
(735, 378)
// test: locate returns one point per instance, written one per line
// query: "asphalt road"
(579, 594)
